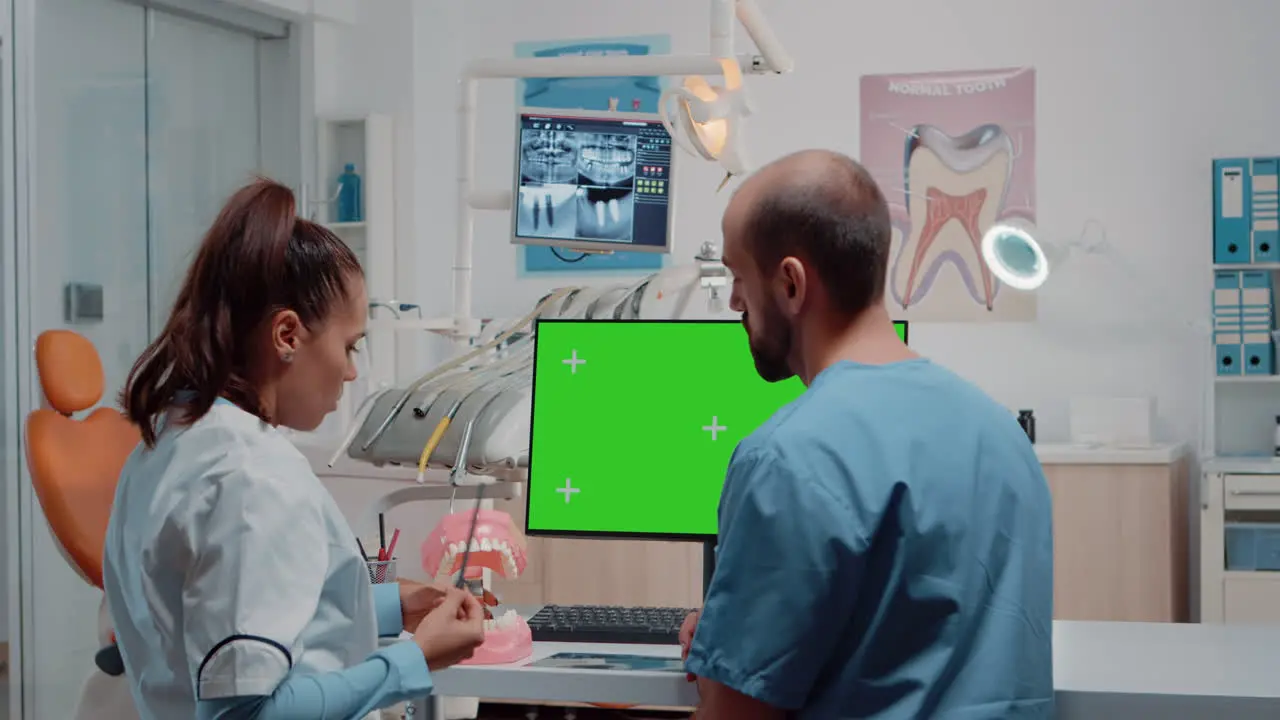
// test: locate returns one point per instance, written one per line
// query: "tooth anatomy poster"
(954, 153)
(626, 94)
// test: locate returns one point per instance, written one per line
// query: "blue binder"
(1228, 332)
(1256, 315)
(1246, 210)
(1264, 209)
(1231, 242)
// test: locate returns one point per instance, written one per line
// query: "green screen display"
(634, 423)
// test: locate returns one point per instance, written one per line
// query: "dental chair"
(75, 464)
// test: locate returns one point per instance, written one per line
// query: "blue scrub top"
(885, 551)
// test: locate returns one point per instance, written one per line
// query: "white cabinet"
(1232, 493)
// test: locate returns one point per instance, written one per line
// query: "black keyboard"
(608, 624)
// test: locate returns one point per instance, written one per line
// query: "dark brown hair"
(839, 222)
(258, 258)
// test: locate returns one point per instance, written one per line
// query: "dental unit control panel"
(593, 181)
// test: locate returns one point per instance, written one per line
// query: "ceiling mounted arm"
(774, 58)
(718, 120)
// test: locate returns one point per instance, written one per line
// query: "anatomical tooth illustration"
(955, 189)
(954, 153)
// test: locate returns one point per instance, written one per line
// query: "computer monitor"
(634, 422)
(593, 181)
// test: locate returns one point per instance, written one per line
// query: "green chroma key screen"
(634, 422)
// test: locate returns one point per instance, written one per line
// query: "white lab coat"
(228, 566)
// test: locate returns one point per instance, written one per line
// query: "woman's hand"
(416, 600)
(452, 631)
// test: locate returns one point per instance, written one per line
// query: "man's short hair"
(838, 225)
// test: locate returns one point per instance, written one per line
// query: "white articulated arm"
(719, 61)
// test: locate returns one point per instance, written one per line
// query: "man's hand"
(687, 629)
(416, 600)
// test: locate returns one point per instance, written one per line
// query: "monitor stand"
(708, 564)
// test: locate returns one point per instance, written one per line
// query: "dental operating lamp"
(1023, 259)
(705, 119)
(709, 120)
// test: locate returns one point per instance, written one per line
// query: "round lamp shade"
(1015, 257)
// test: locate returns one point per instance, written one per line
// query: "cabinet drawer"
(1251, 600)
(1251, 492)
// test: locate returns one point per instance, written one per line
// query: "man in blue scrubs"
(885, 545)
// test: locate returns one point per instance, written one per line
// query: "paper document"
(609, 661)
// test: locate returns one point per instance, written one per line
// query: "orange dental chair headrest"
(75, 464)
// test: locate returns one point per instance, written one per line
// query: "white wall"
(367, 67)
(1130, 112)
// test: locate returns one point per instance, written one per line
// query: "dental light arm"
(773, 59)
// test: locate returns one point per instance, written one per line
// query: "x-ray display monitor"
(593, 181)
(634, 423)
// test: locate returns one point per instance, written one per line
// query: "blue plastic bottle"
(349, 195)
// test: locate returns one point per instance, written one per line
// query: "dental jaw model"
(498, 546)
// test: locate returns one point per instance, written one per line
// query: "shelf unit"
(1242, 409)
(368, 142)
(1241, 474)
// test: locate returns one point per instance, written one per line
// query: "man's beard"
(769, 338)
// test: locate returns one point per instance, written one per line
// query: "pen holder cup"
(381, 571)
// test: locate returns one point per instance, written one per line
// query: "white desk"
(1101, 670)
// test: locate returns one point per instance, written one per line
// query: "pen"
(363, 554)
(382, 537)
(471, 537)
(391, 549)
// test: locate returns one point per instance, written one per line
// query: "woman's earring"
(287, 356)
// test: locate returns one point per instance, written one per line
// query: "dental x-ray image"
(606, 160)
(606, 213)
(548, 156)
(547, 211)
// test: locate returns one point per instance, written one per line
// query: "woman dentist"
(235, 586)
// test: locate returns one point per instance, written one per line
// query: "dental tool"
(620, 306)
(469, 387)
(396, 306)
(637, 296)
(395, 312)
(434, 440)
(357, 421)
(471, 537)
(518, 356)
(459, 470)
(456, 362)
(518, 350)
